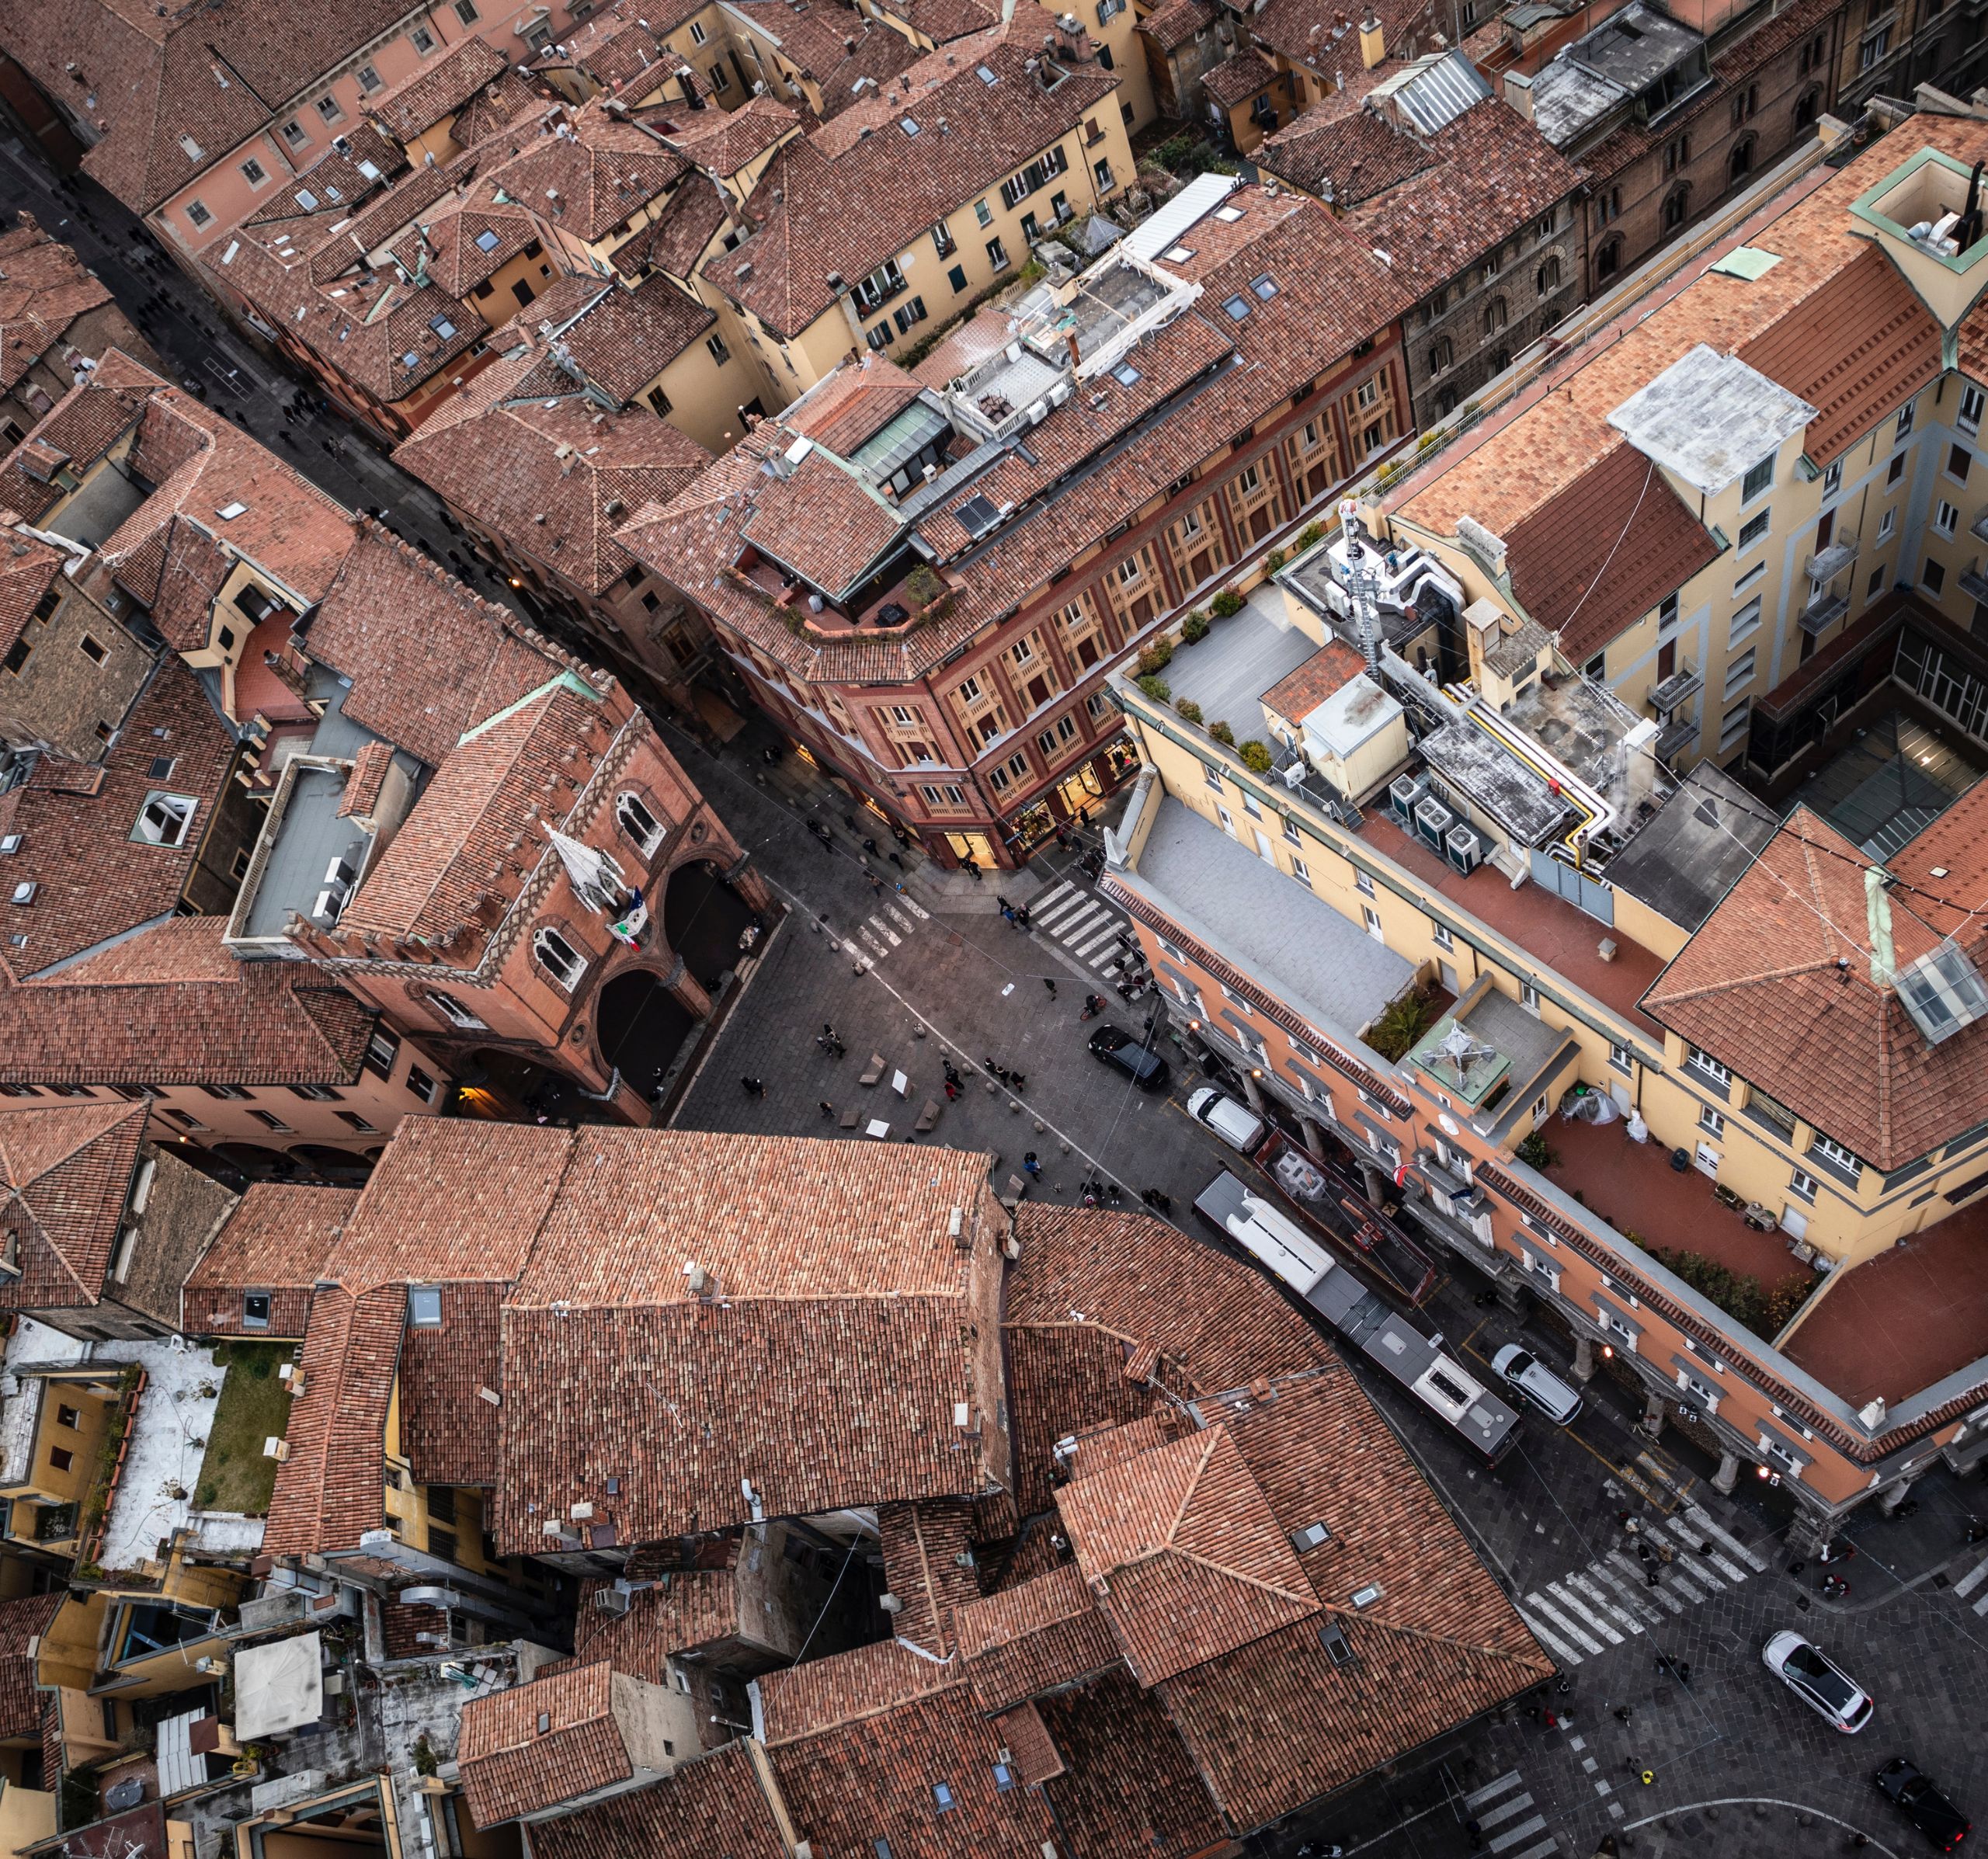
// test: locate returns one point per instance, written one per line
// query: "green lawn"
(253, 1404)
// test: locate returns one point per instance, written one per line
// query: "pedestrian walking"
(1008, 912)
(895, 860)
(1030, 1167)
(971, 866)
(1050, 986)
(1622, 1713)
(754, 1087)
(828, 1109)
(876, 885)
(1006, 907)
(1021, 917)
(870, 846)
(952, 1091)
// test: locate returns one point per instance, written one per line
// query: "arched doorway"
(507, 1087)
(328, 1164)
(702, 919)
(642, 1028)
(253, 1160)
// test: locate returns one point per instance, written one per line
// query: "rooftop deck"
(1905, 1319)
(1242, 657)
(1632, 1187)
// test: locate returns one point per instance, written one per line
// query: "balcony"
(1679, 688)
(1818, 616)
(1676, 736)
(1974, 584)
(1823, 567)
(1978, 528)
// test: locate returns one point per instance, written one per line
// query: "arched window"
(557, 956)
(1807, 108)
(1446, 403)
(1740, 164)
(632, 814)
(453, 1011)
(1441, 355)
(1495, 315)
(1608, 259)
(1676, 208)
(1548, 280)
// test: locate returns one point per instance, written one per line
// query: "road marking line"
(1504, 1811)
(1089, 951)
(1586, 1612)
(1603, 1603)
(1072, 927)
(1685, 1535)
(1491, 1789)
(896, 915)
(1972, 1580)
(1062, 887)
(884, 930)
(1053, 913)
(1525, 1830)
(1562, 1624)
(1541, 1851)
(1630, 1600)
(1981, 1606)
(1661, 1593)
(1700, 1521)
(1551, 1641)
(924, 916)
(877, 947)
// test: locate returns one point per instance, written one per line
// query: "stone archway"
(641, 1026)
(509, 1087)
(255, 1161)
(338, 1165)
(703, 917)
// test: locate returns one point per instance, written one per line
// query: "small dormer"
(1927, 215)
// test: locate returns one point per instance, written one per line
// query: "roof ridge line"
(1215, 1439)
(1252, 1581)
(1424, 1633)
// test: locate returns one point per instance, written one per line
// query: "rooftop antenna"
(1462, 1051)
(1361, 589)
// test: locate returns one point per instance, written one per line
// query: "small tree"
(1256, 756)
(1155, 687)
(922, 586)
(1222, 733)
(1157, 656)
(1189, 709)
(1226, 604)
(1308, 538)
(1274, 561)
(1194, 628)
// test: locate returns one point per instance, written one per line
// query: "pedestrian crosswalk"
(1089, 928)
(1507, 1820)
(1586, 1612)
(887, 927)
(1975, 1578)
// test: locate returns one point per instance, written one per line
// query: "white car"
(1818, 1681)
(1538, 1383)
(1236, 1124)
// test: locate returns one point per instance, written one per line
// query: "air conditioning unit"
(1466, 850)
(1403, 792)
(615, 1599)
(1432, 820)
(328, 908)
(340, 876)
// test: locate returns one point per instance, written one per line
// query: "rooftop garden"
(254, 1406)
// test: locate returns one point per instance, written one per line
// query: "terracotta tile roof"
(1521, 463)
(468, 241)
(65, 1173)
(1240, 76)
(336, 182)
(28, 569)
(943, 21)
(496, 109)
(44, 289)
(852, 404)
(510, 1766)
(712, 1808)
(1331, 669)
(488, 795)
(722, 143)
(1760, 987)
(1026, 1738)
(1494, 174)
(677, 240)
(824, 521)
(1033, 1638)
(685, 1609)
(880, 55)
(368, 777)
(330, 1490)
(1857, 351)
(1358, 155)
(429, 659)
(593, 180)
(450, 1433)
(437, 89)
(842, 1788)
(821, 1695)
(211, 78)
(847, 1307)
(922, 1545)
(983, 335)
(1620, 518)
(276, 1240)
(839, 200)
(1181, 1549)
(94, 877)
(629, 337)
(1322, 35)
(22, 1620)
(78, 429)
(497, 455)
(171, 1005)
(1175, 23)
(1131, 1784)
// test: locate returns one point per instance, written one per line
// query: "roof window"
(1231, 214)
(1943, 992)
(909, 126)
(307, 199)
(1178, 255)
(486, 241)
(441, 327)
(1237, 307)
(424, 1307)
(1264, 286)
(1125, 375)
(985, 76)
(228, 512)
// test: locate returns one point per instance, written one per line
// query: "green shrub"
(1189, 709)
(1535, 1153)
(205, 1497)
(1739, 1294)
(1222, 733)
(922, 586)
(1274, 561)
(1256, 756)
(1403, 1022)
(1157, 656)
(1194, 628)
(1155, 688)
(1226, 604)
(1308, 537)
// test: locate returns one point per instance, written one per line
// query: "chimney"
(1373, 41)
(1518, 93)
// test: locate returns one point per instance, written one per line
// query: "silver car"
(1818, 1681)
(1236, 1124)
(1538, 1383)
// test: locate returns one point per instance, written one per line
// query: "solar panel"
(977, 516)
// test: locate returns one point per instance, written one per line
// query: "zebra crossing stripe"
(1981, 1606)
(1061, 888)
(1552, 1641)
(1561, 1625)
(1691, 1539)
(1068, 930)
(1544, 1850)
(1108, 934)
(1491, 1789)
(897, 916)
(1525, 1830)
(876, 947)
(1604, 1605)
(1586, 1612)
(1972, 1580)
(1504, 1811)
(1704, 1524)
(1631, 1600)
(1662, 1594)
(885, 931)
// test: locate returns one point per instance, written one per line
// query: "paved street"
(1739, 1768)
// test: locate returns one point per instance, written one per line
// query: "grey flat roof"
(1709, 418)
(1487, 774)
(309, 836)
(1228, 672)
(1243, 908)
(1635, 46)
(1694, 848)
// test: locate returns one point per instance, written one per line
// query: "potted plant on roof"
(926, 594)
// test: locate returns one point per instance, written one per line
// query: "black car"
(1109, 1046)
(1925, 1806)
